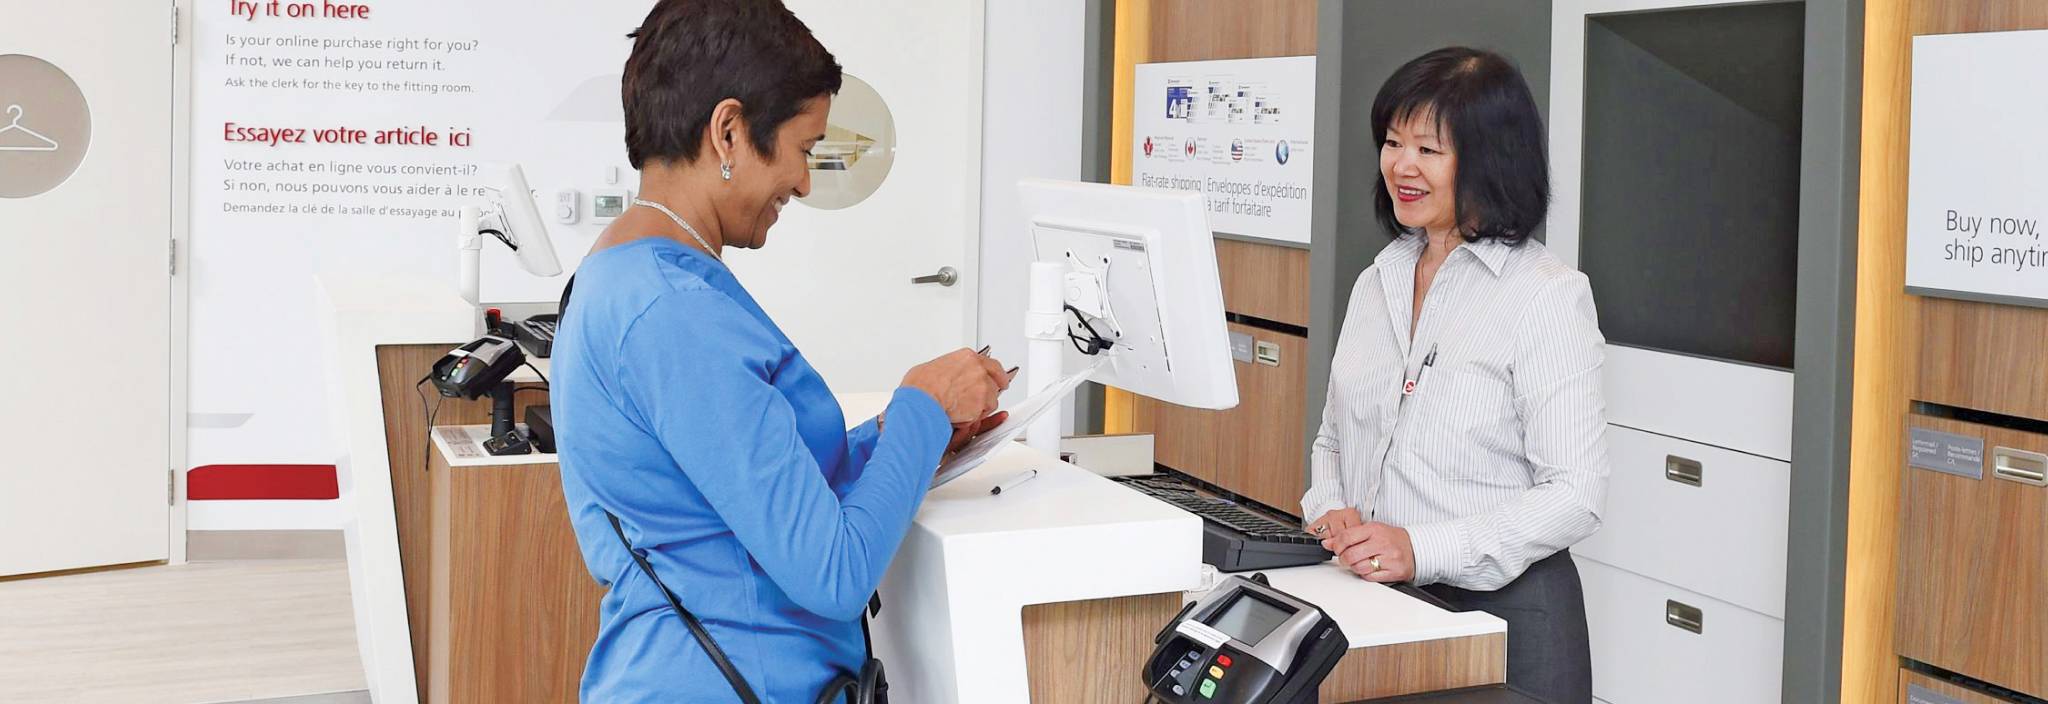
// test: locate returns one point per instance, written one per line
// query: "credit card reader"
(1244, 643)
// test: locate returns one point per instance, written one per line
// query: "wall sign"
(859, 147)
(45, 128)
(1977, 205)
(1240, 131)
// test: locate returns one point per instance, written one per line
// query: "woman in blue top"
(683, 410)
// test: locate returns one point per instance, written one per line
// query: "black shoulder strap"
(563, 306)
(725, 666)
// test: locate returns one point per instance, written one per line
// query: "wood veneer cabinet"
(1973, 566)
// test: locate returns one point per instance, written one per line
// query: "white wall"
(1031, 121)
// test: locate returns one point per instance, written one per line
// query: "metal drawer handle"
(1684, 617)
(1683, 471)
(2020, 466)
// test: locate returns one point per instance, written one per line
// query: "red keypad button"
(1223, 660)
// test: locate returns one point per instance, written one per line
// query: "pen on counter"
(1012, 483)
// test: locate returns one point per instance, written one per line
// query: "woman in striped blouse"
(1462, 445)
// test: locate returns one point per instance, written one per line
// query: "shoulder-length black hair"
(690, 54)
(1482, 103)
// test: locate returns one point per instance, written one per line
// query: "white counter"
(951, 623)
(952, 601)
(1374, 614)
(357, 315)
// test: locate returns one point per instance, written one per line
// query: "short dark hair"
(690, 54)
(1503, 183)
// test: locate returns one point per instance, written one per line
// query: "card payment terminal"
(1245, 643)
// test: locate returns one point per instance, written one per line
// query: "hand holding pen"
(965, 432)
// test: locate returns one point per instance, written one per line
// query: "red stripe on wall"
(216, 482)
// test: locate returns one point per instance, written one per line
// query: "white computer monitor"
(1155, 258)
(520, 220)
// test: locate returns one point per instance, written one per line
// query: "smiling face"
(1421, 172)
(761, 187)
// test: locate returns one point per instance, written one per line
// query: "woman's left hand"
(964, 433)
(1375, 551)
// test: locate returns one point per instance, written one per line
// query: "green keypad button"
(1208, 688)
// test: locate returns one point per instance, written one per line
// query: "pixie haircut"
(1482, 104)
(690, 54)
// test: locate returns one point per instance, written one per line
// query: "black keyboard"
(536, 334)
(1238, 534)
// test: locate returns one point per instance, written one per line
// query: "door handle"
(947, 276)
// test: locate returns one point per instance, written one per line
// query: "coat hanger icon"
(14, 112)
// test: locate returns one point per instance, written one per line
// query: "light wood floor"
(200, 632)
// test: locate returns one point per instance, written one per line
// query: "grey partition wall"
(1360, 43)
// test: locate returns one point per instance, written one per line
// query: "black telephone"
(1244, 643)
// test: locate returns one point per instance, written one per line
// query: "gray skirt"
(1548, 654)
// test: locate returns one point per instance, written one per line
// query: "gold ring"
(1375, 564)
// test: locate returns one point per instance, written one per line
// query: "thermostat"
(607, 204)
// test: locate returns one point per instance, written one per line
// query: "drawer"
(1916, 688)
(1640, 658)
(1724, 538)
(1973, 562)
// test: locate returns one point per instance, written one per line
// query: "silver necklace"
(686, 226)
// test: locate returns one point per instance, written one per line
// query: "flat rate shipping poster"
(1241, 132)
(341, 138)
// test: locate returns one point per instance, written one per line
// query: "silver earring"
(725, 170)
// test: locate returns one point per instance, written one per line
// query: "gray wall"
(1831, 139)
(1360, 43)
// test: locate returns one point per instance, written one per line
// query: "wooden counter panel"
(1973, 564)
(1410, 668)
(1093, 651)
(1983, 356)
(513, 611)
(399, 367)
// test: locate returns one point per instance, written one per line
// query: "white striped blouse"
(1499, 456)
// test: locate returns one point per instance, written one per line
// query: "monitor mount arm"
(1056, 290)
(469, 245)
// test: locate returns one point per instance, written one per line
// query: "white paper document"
(988, 443)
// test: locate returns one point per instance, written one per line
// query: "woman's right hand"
(1334, 522)
(964, 383)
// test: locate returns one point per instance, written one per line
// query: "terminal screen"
(1249, 619)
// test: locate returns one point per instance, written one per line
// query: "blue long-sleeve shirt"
(681, 408)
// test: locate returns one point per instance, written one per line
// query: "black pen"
(1428, 361)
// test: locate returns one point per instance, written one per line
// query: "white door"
(838, 282)
(85, 220)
